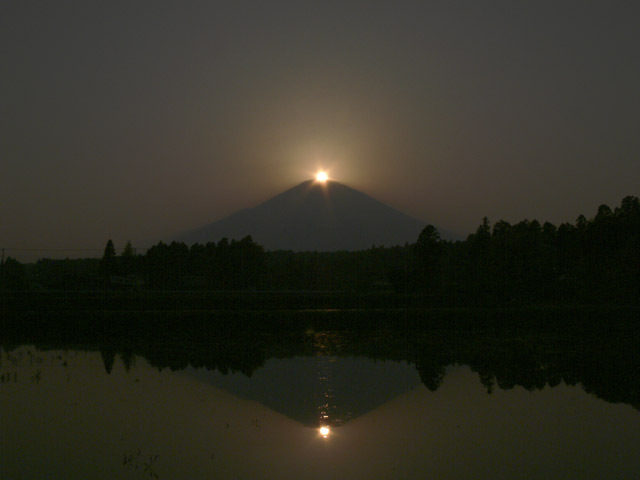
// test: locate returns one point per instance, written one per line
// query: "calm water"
(89, 412)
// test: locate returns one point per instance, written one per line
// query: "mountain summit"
(320, 216)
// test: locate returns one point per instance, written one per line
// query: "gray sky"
(135, 120)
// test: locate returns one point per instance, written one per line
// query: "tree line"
(593, 260)
(596, 260)
(599, 358)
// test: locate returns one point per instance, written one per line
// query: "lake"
(238, 401)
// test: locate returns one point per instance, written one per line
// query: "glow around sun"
(322, 176)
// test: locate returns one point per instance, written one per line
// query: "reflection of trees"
(605, 366)
(605, 361)
(108, 357)
(431, 375)
(513, 363)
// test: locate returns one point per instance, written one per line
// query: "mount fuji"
(315, 216)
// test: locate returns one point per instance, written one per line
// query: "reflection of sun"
(324, 431)
(322, 176)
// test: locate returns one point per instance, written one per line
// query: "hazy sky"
(135, 120)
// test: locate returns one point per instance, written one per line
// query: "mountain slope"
(315, 216)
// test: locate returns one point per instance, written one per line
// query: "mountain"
(302, 388)
(316, 216)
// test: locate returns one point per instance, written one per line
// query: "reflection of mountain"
(308, 388)
(71, 420)
(604, 362)
(315, 216)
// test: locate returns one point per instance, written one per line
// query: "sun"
(322, 176)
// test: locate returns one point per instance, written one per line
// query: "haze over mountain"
(320, 216)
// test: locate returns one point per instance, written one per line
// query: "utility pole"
(2, 263)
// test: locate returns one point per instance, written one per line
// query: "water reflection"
(318, 390)
(327, 405)
(598, 350)
(78, 421)
(194, 398)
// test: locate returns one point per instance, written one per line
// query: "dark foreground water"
(421, 404)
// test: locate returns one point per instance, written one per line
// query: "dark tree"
(127, 260)
(428, 252)
(478, 261)
(12, 275)
(128, 250)
(108, 261)
(109, 251)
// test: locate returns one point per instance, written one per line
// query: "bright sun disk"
(322, 176)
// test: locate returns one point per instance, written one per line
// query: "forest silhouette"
(526, 304)
(594, 260)
(600, 352)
